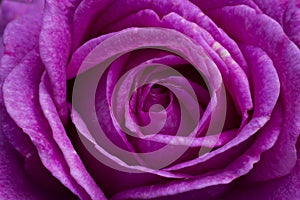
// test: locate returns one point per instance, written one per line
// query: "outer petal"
(76, 166)
(286, 13)
(283, 188)
(16, 47)
(81, 15)
(14, 9)
(14, 182)
(20, 90)
(55, 47)
(214, 4)
(291, 21)
(245, 25)
(118, 12)
(271, 164)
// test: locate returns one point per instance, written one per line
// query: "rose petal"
(287, 13)
(262, 31)
(143, 18)
(242, 165)
(14, 182)
(120, 102)
(11, 58)
(271, 164)
(291, 22)
(214, 4)
(118, 10)
(14, 53)
(100, 171)
(148, 39)
(55, 48)
(103, 111)
(210, 141)
(81, 15)
(234, 77)
(168, 120)
(76, 166)
(266, 92)
(105, 147)
(127, 62)
(158, 42)
(20, 90)
(124, 43)
(81, 53)
(115, 11)
(286, 187)
(103, 155)
(15, 49)
(274, 9)
(14, 9)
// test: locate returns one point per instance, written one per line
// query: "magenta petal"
(265, 80)
(32, 163)
(114, 73)
(127, 62)
(86, 11)
(11, 58)
(241, 166)
(286, 59)
(209, 141)
(149, 38)
(286, 187)
(286, 13)
(128, 40)
(15, 9)
(213, 4)
(81, 53)
(20, 90)
(178, 85)
(115, 11)
(291, 22)
(235, 79)
(143, 18)
(103, 110)
(114, 161)
(14, 181)
(1, 45)
(266, 92)
(103, 146)
(17, 46)
(274, 9)
(76, 166)
(277, 161)
(55, 48)
(1, 39)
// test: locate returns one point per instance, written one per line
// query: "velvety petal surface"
(77, 169)
(286, 187)
(20, 90)
(262, 31)
(14, 53)
(241, 166)
(55, 48)
(14, 182)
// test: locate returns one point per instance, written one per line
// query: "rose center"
(157, 95)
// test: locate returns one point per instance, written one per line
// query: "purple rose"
(142, 99)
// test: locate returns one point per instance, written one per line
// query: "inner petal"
(157, 95)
